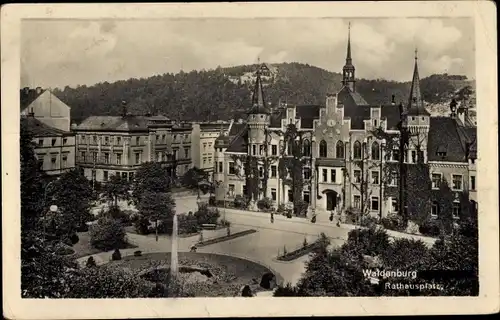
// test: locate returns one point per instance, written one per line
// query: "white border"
(487, 184)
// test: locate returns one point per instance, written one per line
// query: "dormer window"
(441, 154)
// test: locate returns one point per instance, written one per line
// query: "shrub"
(265, 204)
(412, 227)
(187, 224)
(300, 208)
(392, 222)
(281, 208)
(207, 215)
(368, 221)
(138, 253)
(371, 241)
(240, 202)
(286, 291)
(116, 255)
(141, 225)
(430, 228)
(352, 215)
(91, 262)
(107, 234)
(212, 201)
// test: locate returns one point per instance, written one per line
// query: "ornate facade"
(352, 154)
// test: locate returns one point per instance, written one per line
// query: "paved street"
(261, 247)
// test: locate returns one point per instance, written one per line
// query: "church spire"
(415, 103)
(348, 70)
(348, 59)
(258, 103)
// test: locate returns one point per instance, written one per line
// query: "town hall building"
(345, 164)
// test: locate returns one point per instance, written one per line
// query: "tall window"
(65, 141)
(374, 205)
(375, 177)
(473, 182)
(375, 151)
(254, 150)
(105, 175)
(333, 175)
(137, 141)
(232, 168)
(137, 158)
(436, 180)
(414, 156)
(40, 142)
(456, 209)
(290, 147)
(186, 153)
(395, 155)
(306, 197)
(65, 161)
(394, 205)
(325, 175)
(456, 182)
(340, 150)
(53, 162)
(357, 201)
(118, 158)
(231, 189)
(106, 140)
(273, 172)
(83, 156)
(221, 168)
(106, 157)
(54, 142)
(290, 196)
(261, 149)
(273, 194)
(158, 156)
(322, 149)
(393, 178)
(274, 150)
(261, 172)
(307, 148)
(307, 173)
(357, 150)
(357, 176)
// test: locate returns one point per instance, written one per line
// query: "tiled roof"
(350, 98)
(445, 137)
(223, 141)
(391, 114)
(27, 96)
(40, 129)
(307, 114)
(239, 142)
(114, 123)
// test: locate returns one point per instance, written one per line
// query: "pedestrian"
(272, 217)
(193, 248)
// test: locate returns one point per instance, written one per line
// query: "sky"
(57, 53)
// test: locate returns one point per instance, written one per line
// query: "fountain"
(174, 259)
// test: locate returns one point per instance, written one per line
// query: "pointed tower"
(348, 72)
(258, 120)
(417, 119)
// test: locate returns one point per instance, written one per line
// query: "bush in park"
(207, 215)
(141, 225)
(212, 201)
(265, 204)
(300, 208)
(107, 234)
(187, 224)
(91, 262)
(368, 221)
(430, 228)
(116, 255)
(372, 241)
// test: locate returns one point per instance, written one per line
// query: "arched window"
(307, 148)
(375, 151)
(322, 149)
(357, 150)
(340, 150)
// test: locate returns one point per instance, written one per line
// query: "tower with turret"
(348, 72)
(417, 121)
(258, 120)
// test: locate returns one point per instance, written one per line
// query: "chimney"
(38, 90)
(124, 109)
(393, 99)
(26, 90)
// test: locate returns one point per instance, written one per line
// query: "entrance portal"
(331, 199)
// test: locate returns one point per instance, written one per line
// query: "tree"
(444, 198)
(150, 177)
(73, 196)
(405, 254)
(117, 188)
(194, 177)
(107, 234)
(156, 207)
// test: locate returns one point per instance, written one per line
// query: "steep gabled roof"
(40, 129)
(27, 96)
(258, 102)
(238, 143)
(276, 118)
(445, 137)
(307, 114)
(350, 98)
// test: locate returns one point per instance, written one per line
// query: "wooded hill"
(210, 95)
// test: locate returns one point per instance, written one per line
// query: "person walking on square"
(272, 217)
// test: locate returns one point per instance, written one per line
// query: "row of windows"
(53, 142)
(136, 140)
(53, 162)
(207, 144)
(456, 181)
